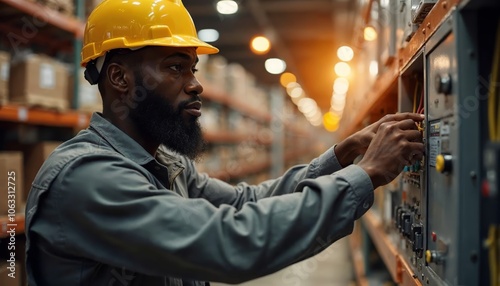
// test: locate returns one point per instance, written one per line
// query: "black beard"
(159, 121)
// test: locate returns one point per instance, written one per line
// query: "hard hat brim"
(90, 52)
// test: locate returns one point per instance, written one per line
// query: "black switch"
(405, 223)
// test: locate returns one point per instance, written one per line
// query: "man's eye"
(176, 67)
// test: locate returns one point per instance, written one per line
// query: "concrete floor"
(332, 267)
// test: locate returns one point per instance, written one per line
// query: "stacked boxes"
(89, 98)
(4, 76)
(65, 7)
(11, 180)
(38, 80)
(216, 71)
(34, 156)
(5, 279)
(213, 116)
(236, 81)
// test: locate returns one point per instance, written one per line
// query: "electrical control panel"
(440, 218)
(453, 150)
(436, 207)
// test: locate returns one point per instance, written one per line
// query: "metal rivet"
(473, 175)
(473, 257)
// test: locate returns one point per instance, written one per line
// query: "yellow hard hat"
(116, 24)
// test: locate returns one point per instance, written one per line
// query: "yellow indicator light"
(440, 163)
(428, 256)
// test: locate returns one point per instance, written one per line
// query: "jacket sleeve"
(218, 192)
(107, 210)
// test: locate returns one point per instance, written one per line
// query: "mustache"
(184, 103)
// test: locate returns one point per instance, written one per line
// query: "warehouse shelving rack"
(383, 94)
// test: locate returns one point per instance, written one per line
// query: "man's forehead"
(166, 52)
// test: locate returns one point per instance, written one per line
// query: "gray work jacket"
(103, 211)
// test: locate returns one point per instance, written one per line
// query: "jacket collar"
(119, 140)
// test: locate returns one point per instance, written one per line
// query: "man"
(122, 203)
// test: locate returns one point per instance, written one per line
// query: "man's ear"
(118, 77)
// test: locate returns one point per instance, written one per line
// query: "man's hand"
(357, 144)
(396, 143)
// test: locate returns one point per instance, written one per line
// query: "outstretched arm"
(357, 144)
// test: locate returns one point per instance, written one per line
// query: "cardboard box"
(65, 7)
(216, 71)
(89, 97)
(4, 76)
(5, 280)
(34, 156)
(38, 80)
(11, 171)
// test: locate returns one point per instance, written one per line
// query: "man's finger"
(416, 148)
(403, 116)
(413, 135)
(407, 124)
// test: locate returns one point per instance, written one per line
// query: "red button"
(434, 236)
(485, 189)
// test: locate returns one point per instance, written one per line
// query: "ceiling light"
(260, 45)
(373, 68)
(296, 92)
(345, 53)
(369, 33)
(341, 85)
(338, 103)
(338, 113)
(338, 98)
(208, 35)
(287, 78)
(227, 7)
(316, 116)
(275, 66)
(315, 122)
(291, 86)
(342, 69)
(306, 105)
(338, 107)
(331, 121)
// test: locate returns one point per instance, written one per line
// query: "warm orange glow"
(331, 121)
(341, 85)
(342, 69)
(345, 53)
(369, 33)
(260, 45)
(287, 78)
